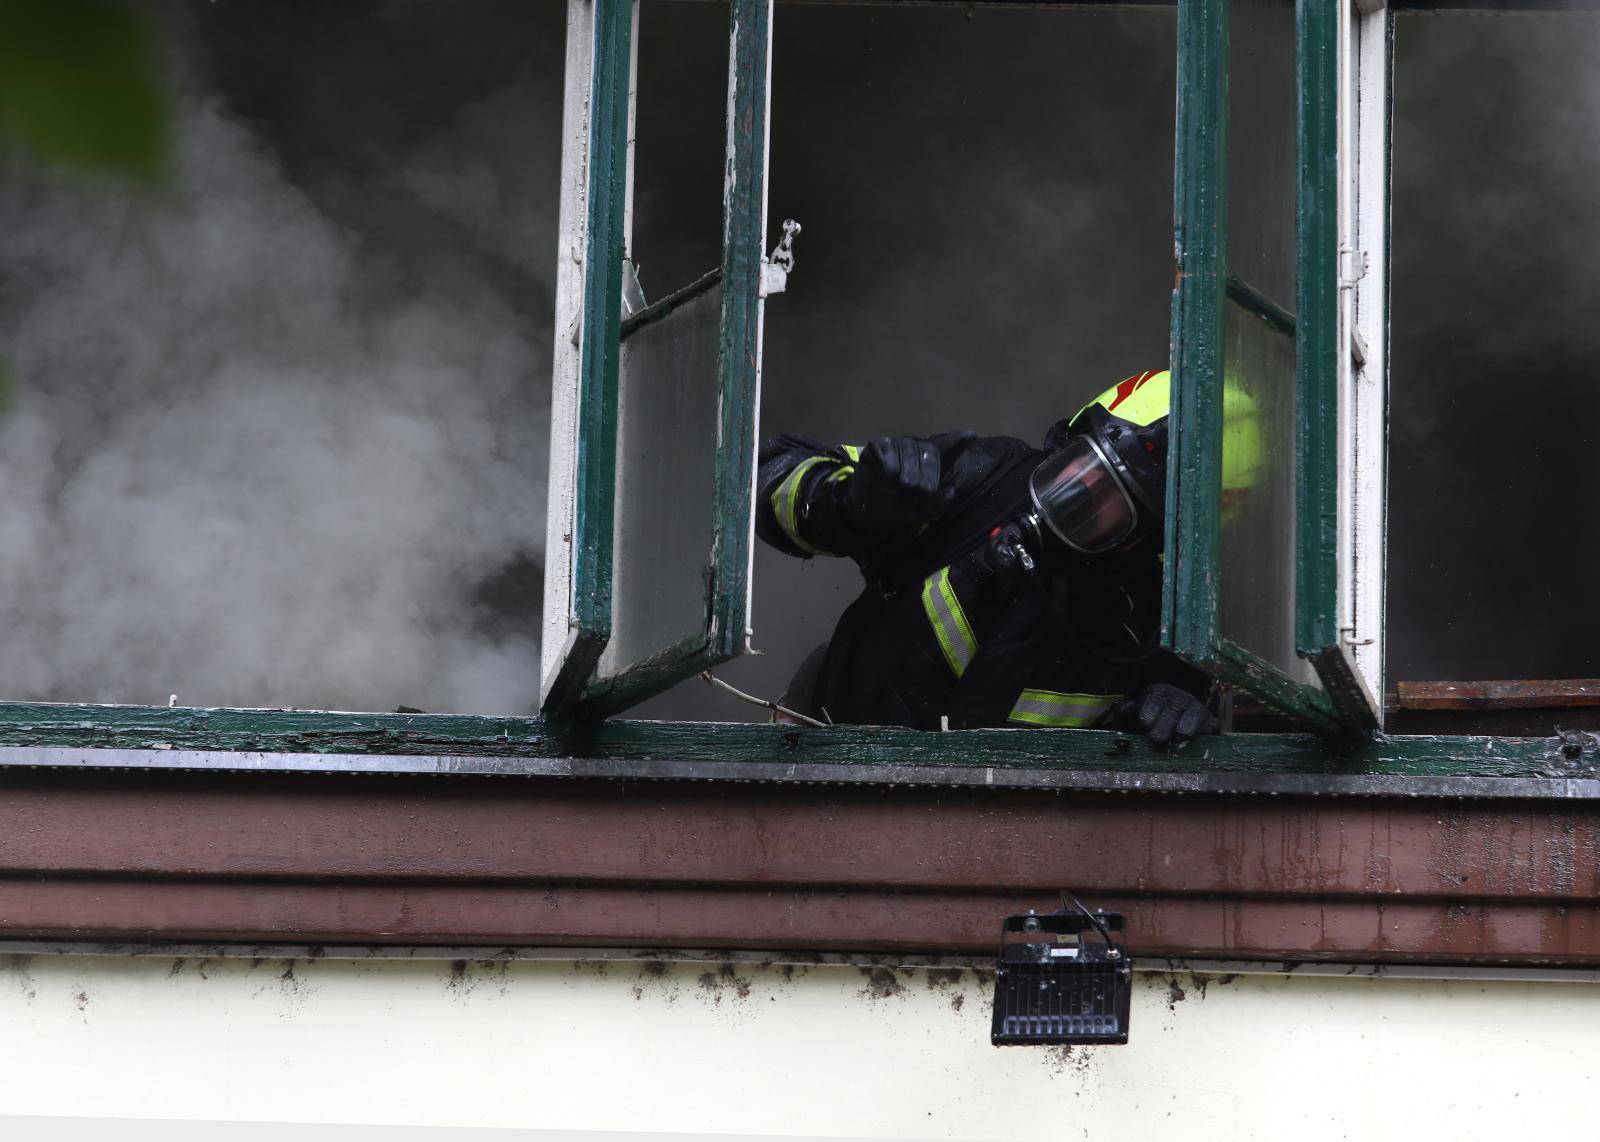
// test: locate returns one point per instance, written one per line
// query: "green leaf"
(81, 87)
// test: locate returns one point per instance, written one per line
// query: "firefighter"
(1005, 584)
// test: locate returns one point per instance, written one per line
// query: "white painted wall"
(819, 1051)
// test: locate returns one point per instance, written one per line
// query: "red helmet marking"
(1127, 388)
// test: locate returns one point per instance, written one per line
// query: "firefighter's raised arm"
(857, 501)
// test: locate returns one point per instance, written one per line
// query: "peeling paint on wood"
(1573, 755)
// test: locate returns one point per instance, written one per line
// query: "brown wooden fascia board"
(294, 859)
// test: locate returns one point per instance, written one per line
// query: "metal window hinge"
(1352, 267)
(776, 268)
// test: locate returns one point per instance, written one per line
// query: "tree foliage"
(81, 92)
(81, 88)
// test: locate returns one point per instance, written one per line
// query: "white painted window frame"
(560, 621)
(1364, 112)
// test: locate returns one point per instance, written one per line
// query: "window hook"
(776, 268)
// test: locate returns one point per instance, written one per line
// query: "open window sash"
(1274, 573)
(653, 418)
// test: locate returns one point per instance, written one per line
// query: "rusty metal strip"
(553, 916)
(186, 857)
(223, 828)
(1524, 694)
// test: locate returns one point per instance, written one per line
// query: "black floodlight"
(1059, 983)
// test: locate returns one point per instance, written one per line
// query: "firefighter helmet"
(1106, 484)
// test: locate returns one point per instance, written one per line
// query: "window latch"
(1352, 267)
(633, 299)
(776, 267)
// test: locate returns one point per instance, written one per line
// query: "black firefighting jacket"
(963, 644)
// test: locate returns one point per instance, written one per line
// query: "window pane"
(680, 137)
(1257, 541)
(1256, 545)
(1261, 147)
(666, 464)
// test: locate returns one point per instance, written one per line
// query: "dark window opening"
(986, 197)
(1495, 390)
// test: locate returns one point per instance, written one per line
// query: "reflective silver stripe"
(786, 504)
(949, 621)
(1048, 708)
(1058, 709)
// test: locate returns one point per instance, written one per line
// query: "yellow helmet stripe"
(1142, 399)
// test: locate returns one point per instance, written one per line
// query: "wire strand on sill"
(711, 679)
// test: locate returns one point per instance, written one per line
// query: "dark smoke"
(987, 202)
(1496, 350)
(988, 207)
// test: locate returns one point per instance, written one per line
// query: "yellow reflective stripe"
(1048, 708)
(844, 471)
(786, 503)
(949, 621)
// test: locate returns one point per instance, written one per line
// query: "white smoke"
(255, 454)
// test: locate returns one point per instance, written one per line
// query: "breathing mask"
(1102, 488)
(1081, 500)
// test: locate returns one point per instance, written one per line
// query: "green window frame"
(1319, 330)
(582, 539)
(600, 60)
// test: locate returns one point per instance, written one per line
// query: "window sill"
(147, 825)
(137, 737)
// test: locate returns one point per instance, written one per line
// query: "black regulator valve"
(1062, 978)
(1009, 550)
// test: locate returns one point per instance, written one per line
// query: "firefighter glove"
(895, 488)
(1167, 714)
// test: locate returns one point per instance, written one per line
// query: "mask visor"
(1078, 496)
